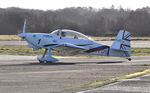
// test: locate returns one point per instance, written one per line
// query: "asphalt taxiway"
(23, 74)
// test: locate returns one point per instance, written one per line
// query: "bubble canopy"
(70, 34)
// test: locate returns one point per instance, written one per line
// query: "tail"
(122, 43)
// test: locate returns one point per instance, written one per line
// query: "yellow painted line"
(107, 81)
(99, 83)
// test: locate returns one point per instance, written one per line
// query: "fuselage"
(41, 40)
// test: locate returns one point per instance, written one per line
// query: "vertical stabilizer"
(122, 41)
(121, 45)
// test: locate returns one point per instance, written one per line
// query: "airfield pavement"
(139, 84)
(23, 74)
(137, 44)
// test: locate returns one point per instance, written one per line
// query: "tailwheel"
(129, 59)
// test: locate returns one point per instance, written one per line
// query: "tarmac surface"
(23, 74)
(135, 85)
(139, 44)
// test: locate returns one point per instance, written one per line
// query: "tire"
(129, 59)
(41, 61)
(48, 61)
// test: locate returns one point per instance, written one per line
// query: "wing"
(69, 48)
(66, 47)
(75, 49)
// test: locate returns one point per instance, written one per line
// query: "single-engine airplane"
(75, 42)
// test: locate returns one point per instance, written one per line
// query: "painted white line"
(49, 72)
(99, 87)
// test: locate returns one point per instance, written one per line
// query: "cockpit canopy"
(70, 34)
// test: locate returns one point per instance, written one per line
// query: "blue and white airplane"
(75, 42)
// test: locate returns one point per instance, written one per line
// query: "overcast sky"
(59, 4)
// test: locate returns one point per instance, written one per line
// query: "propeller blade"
(24, 27)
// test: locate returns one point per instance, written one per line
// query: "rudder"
(122, 42)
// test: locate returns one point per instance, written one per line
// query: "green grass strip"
(24, 50)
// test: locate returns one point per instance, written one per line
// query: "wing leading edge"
(66, 47)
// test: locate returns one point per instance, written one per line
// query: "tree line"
(87, 20)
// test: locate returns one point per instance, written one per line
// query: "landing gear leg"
(44, 53)
(48, 58)
(41, 59)
(49, 54)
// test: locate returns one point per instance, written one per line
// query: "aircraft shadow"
(110, 62)
(61, 63)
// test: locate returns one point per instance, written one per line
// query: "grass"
(9, 38)
(140, 51)
(18, 50)
(99, 83)
(113, 38)
(24, 50)
(96, 38)
(145, 65)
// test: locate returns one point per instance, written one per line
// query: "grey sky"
(59, 4)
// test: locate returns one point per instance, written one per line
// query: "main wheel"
(48, 61)
(41, 61)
